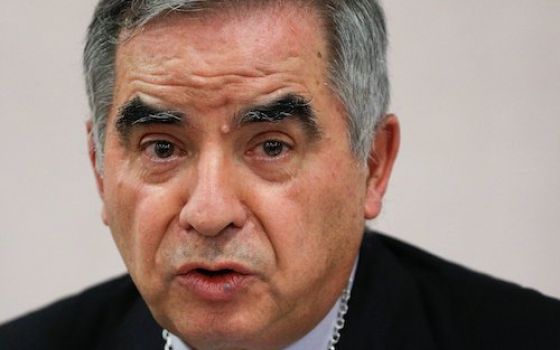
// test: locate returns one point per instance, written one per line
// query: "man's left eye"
(164, 149)
(273, 148)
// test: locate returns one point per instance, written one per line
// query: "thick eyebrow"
(288, 106)
(137, 112)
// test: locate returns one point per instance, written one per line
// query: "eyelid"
(272, 135)
(269, 135)
(154, 137)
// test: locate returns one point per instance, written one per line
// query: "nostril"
(210, 214)
(232, 225)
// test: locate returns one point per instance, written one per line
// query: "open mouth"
(215, 273)
(214, 285)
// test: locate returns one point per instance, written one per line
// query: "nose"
(214, 204)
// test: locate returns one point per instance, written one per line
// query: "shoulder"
(466, 304)
(74, 320)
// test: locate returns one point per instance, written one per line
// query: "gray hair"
(358, 69)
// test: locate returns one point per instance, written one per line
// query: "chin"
(221, 336)
(216, 327)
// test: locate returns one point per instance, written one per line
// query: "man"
(239, 147)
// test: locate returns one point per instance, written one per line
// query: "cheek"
(311, 219)
(336, 209)
(119, 200)
(139, 217)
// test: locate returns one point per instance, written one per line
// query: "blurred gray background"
(476, 85)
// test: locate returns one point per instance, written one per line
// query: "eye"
(160, 149)
(270, 146)
(273, 156)
(163, 149)
(273, 148)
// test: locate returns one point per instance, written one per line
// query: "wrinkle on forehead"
(215, 93)
(289, 25)
(216, 78)
(270, 52)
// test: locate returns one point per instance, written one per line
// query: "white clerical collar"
(317, 338)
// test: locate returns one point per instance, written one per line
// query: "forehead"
(260, 37)
(214, 64)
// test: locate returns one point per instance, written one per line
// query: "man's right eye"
(160, 150)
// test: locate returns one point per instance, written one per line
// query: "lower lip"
(214, 288)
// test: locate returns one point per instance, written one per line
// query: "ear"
(382, 156)
(92, 152)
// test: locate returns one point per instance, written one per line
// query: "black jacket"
(403, 298)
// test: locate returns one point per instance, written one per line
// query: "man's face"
(229, 184)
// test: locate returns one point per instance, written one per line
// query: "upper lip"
(234, 267)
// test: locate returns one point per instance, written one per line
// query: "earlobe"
(104, 216)
(383, 154)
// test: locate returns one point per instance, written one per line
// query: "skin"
(294, 220)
